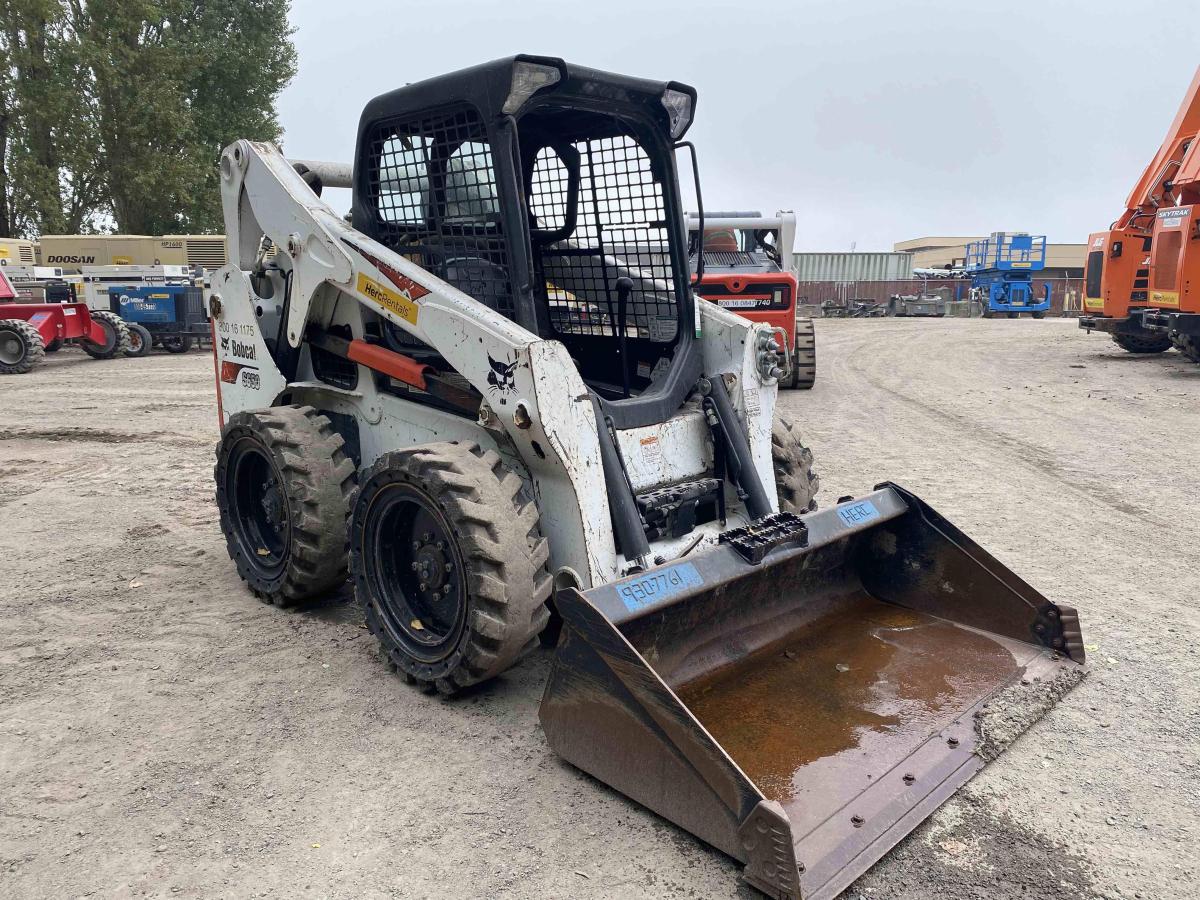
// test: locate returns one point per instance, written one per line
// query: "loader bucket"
(804, 712)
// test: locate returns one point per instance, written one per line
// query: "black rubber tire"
(499, 569)
(1040, 314)
(54, 346)
(117, 336)
(1013, 315)
(297, 447)
(1149, 342)
(180, 343)
(796, 484)
(1187, 345)
(140, 340)
(21, 345)
(804, 356)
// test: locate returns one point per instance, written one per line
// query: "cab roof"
(487, 87)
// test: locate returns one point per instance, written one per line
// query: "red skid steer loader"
(744, 264)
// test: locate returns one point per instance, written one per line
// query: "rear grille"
(730, 258)
(207, 253)
(26, 255)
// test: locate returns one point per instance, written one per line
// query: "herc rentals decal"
(401, 302)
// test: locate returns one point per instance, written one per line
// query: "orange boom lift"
(1138, 267)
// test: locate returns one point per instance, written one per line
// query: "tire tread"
(500, 541)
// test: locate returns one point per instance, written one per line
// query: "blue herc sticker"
(859, 513)
(660, 584)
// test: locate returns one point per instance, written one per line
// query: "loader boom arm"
(263, 194)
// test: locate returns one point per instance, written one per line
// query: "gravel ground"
(163, 734)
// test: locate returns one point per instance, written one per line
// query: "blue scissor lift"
(1001, 269)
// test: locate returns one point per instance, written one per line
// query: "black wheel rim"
(414, 570)
(258, 507)
(12, 348)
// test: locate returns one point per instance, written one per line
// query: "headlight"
(679, 111)
(527, 79)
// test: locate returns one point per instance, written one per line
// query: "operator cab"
(730, 246)
(547, 192)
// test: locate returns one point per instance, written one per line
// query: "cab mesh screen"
(432, 186)
(620, 230)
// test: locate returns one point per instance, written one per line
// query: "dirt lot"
(164, 734)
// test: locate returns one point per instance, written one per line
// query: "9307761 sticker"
(660, 584)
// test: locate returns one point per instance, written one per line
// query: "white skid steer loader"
(497, 387)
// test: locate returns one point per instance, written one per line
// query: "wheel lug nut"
(414, 567)
(416, 545)
(449, 568)
(424, 586)
(427, 537)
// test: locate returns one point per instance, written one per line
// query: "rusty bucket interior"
(805, 711)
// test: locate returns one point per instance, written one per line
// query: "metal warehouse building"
(852, 266)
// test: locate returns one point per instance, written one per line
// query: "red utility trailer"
(26, 329)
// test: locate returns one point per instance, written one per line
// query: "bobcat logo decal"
(501, 377)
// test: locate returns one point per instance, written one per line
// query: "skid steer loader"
(497, 387)
(746, 267)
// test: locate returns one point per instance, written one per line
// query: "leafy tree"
(42, 115)
(244, 60)
(114, 113)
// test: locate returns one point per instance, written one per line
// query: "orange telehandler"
(1175, 256)
(1135, 283)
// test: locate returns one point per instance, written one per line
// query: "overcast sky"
(876, 120)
